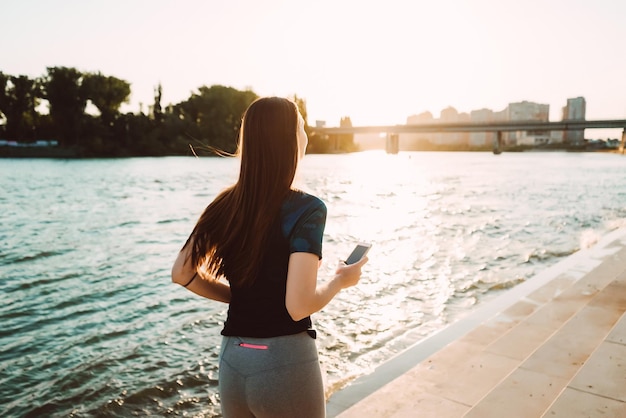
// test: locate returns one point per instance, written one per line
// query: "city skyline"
(377, 64)
(574, 109)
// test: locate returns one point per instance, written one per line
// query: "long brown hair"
(230, 236)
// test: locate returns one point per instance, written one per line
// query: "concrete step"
(530, 389)
(524, 355)
(599, 387)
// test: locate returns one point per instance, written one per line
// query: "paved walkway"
(553, 346)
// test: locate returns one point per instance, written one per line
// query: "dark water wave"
(92, 326)
(32, 257)
(543, 255)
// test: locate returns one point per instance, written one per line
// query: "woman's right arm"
(186, 275)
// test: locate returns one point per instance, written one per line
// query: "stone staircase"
(560, 351)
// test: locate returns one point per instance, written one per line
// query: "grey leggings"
(271, 377)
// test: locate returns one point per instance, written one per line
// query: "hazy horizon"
(377, 63)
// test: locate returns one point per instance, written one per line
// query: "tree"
(210, 118)
(107, 93)
(4, 102)
(67, 99)
(157, 110)
(217, 111)
(18, 99)
(345, 142)
(301, 104)
(318, 144)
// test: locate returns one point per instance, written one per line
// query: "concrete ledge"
(572, 268)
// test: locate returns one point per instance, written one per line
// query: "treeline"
(206, 123)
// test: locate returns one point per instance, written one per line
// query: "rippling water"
(91, 324)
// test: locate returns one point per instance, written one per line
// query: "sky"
(377, 62)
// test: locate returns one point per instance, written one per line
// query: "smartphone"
(359, 252)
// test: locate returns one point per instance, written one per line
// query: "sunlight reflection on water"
(86, 247)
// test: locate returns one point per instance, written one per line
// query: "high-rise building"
(414, 140)
(574, 110)
(528, 111)
(524, 111)
(480, 139)
(451, 115)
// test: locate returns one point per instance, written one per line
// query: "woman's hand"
(304, 296)
(349, 275)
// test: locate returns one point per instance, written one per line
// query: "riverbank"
(552, 346)
(58, 152)
(37, 152)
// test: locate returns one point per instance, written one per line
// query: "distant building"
(412, 140)
(556, 137)
(481, 139)
(524, 111)
(463, 137)
(448, 115)
(424, 117)
(574, 110)
(451, 115)
(528, 111)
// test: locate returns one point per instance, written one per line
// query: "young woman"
(264, 238)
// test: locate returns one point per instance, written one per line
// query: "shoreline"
(70, 153)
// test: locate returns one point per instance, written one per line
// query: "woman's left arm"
(186, 275)
(304, 296)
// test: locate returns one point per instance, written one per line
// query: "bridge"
(392, 131)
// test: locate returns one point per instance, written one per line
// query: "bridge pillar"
(622, 144)
(392, 143)
(497, 142)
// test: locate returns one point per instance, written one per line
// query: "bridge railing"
(566, 125)
(497, 127)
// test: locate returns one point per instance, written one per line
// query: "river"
(92, 326)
